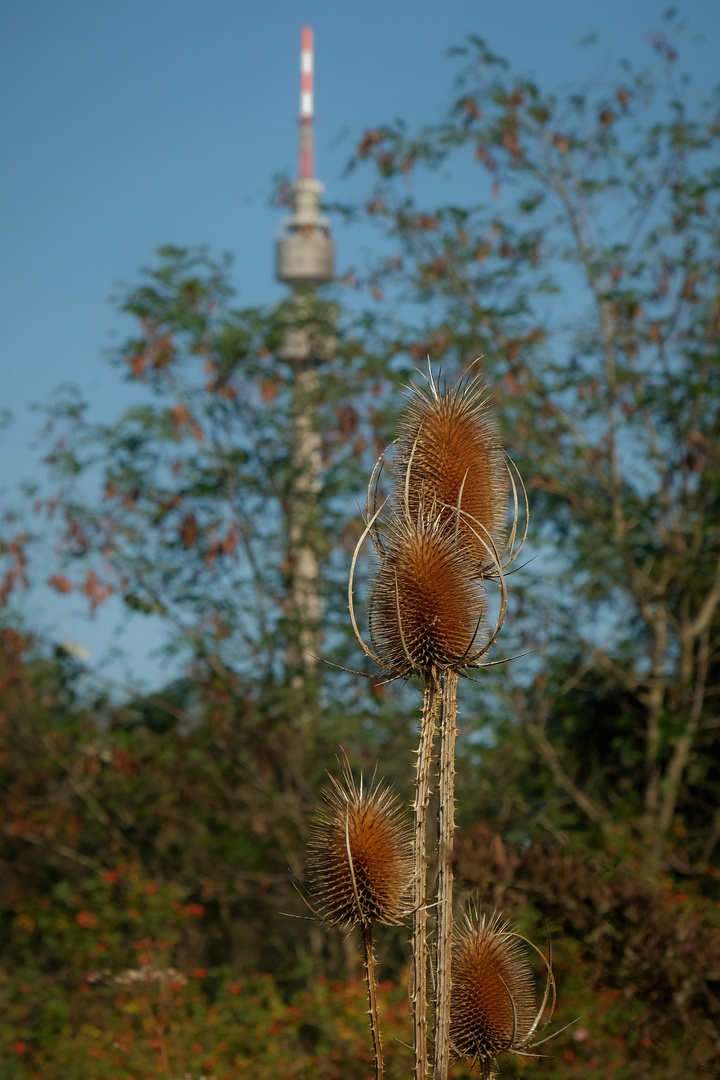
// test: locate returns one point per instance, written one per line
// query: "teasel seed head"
(425, 610)
(360, 855)
(440, 535)
(449, 456)
(493, 1008)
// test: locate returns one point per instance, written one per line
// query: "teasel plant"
(494, 1003)
(440, 536)
(360, 870)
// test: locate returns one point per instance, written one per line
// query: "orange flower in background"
(86, 918)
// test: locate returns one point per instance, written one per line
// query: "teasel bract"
(360, 869)
(494, 1002)
(441, 535)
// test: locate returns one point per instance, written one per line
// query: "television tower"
(305, 255)
(304, 260)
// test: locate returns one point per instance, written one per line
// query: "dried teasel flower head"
(425, 610)
(359, 855)
(449, 462)
(440, 535)
(494, 1008)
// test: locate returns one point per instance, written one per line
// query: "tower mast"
(307, 148)
(304, 260)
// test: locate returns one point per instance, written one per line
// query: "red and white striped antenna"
(307, 156)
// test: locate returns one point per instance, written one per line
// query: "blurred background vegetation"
(150, 844)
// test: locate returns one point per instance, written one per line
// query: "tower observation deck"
(305, 253)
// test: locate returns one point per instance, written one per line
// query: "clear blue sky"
(126, 124)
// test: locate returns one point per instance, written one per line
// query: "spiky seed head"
(425, 609)
(493, 1007)
(359, 855)
(449, 455)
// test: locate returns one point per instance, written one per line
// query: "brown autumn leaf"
(61, 584)
(188, 531)
(369, 139)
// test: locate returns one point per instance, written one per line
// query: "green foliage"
(636, 957)
(101, 982)
(105, 978)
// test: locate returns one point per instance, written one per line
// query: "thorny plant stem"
(431, 702)
(446, 829)
(371, 978)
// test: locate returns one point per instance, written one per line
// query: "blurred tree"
(196, 522)
(589, 281)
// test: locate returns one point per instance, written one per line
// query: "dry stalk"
(431, 704)
(371, 979)
(446, 830)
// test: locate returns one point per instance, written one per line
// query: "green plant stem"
(446, 829)
(431, 702)
(371, 979)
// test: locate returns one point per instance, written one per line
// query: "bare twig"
(547, 751)
(59, 849)
(683, 744)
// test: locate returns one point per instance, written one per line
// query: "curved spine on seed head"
(494, 1008)
(448, 453)
(512, 548)
(425, 611)
(359, 855)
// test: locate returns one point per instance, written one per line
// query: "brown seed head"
(359, 855)
(450, 462)
(425, 609)
(493, 1007)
